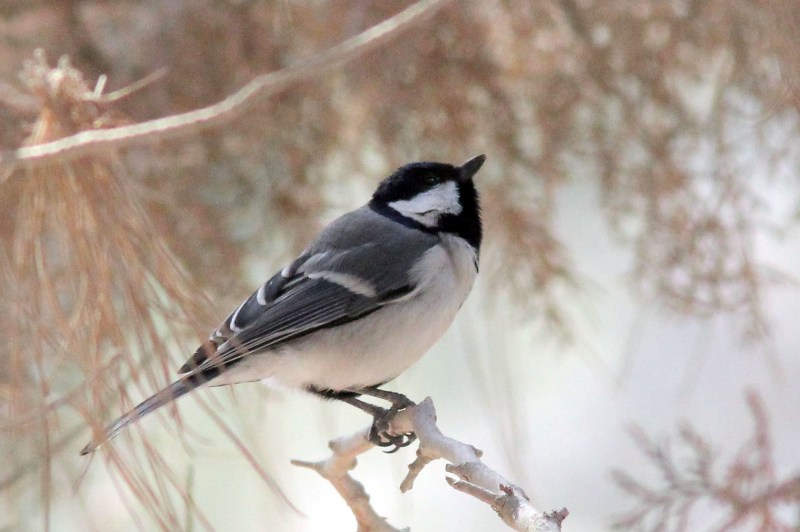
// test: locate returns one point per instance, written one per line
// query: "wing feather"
(310, 306)
(353, 269)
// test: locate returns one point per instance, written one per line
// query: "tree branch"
(474, 477)
(232, 107)
(335, 470)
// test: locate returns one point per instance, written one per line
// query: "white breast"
(380, 346)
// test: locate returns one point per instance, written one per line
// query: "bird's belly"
(371, 350)
(354, 356)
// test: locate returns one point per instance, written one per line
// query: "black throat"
(467, 223)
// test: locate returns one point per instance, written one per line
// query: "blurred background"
(630, 350)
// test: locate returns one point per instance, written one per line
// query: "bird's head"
(438, 196)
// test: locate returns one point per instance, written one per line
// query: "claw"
(379, 432)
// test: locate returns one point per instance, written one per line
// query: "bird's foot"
(379, 433)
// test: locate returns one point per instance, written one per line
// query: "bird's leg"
(378, 434)
(381, 417)
(398, 400)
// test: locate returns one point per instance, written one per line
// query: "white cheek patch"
(428, 206)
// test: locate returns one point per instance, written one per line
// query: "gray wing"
(358, 264)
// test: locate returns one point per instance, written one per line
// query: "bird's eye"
(431, 179)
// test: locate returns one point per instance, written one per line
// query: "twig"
(474, 477)
(98, 96)
(749, 492)
(235, 105)
(335, 470)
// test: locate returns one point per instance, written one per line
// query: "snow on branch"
(472, 476)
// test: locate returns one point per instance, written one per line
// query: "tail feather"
(167, 395)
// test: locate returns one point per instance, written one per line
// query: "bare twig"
(98, 96)
(234, 106)
(750, 492)
(335, 470)
(474, 477)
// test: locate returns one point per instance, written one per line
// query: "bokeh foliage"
(669, 107)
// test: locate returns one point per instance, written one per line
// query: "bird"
(363, 302)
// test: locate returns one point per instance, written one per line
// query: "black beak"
(471, 167)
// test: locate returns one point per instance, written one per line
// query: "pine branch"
(232, 107)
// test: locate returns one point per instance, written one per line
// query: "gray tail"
(167, 395)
